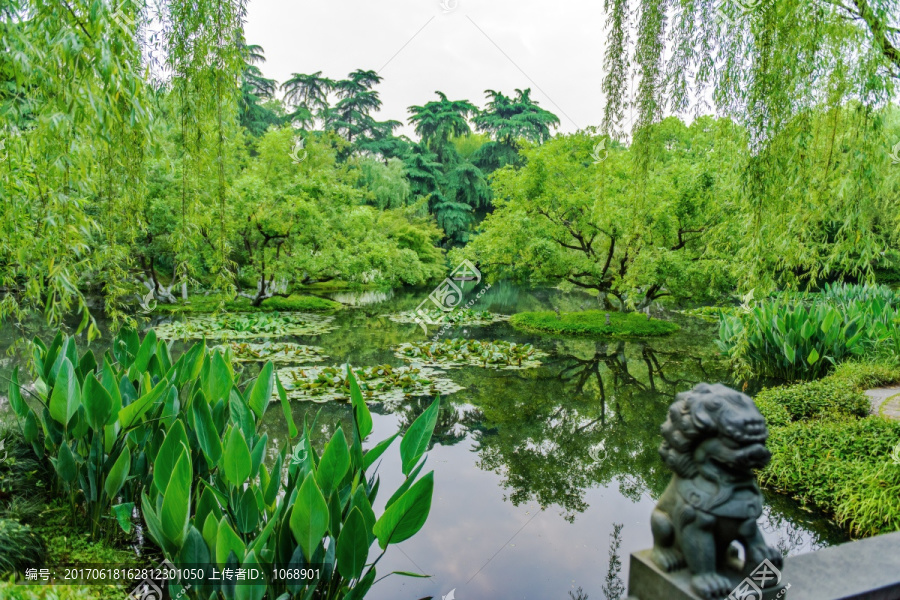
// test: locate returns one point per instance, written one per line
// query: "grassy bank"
(828, 451)
(213, 303)
(592, 322)
(37, 531)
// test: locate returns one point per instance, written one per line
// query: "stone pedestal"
(646, 581)
(867, 569)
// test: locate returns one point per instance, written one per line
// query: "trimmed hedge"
(592, 322)
(828, 451)
(842, 465)
(829, 396)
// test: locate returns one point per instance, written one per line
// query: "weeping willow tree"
(811, 81)
(73, 123)
(204, 54)
(80, 130)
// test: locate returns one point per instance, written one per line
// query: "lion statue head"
(715, 431)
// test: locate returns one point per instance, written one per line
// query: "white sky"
(559, 46)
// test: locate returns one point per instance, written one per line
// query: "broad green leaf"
(352, 546)
(405, 517)
(789, 352)
(176, 506)
(247, 516)
(286, 407)
(334, 464)
(65, 464)
(98, 404)
(118, 474)
(360, 501)
(248, 590)
(207, 434)
(262, 390)
(361, 415)
(236, 459)
(174, 444)
(813, 357)
(220, 378)
(30, 428)
(309, 516)
(122, 513)
(227, 541)
(416, 439)
(145, 351)
(131, 414)
(65, 398)
(15, 395)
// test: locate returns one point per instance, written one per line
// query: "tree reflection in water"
(538, 431)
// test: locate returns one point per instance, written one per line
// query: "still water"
(534, 469)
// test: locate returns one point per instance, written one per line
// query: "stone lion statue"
(713, 439)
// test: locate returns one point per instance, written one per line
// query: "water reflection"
(544, 478)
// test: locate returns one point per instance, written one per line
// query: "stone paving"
(885, 401)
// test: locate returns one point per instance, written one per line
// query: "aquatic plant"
(804, 337)
(310, 530)
(245, 326)
(456, 352)
(277, 352)
(379, 383)
(460, 316)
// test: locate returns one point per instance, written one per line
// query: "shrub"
(20, 547)
(592, 322)
(801, 337)
(827, 396)
(775, 414)
(842, 465)
(867, 374)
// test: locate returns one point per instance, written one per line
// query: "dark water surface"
(533, 468)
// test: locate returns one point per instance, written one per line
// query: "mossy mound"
(214, 303)
(592, 322)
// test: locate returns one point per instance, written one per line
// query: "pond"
(534, 468)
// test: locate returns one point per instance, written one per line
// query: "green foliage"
(573, 213)
(843, 466)
(20, 548)
(831, 396)
(246, 515)
(96, 420)
(592, 322)
(867, 374)
(801, 338)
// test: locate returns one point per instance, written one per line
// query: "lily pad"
(456, 352)
(277, 352)
(461, 316)
(246, 326)
(381, 383)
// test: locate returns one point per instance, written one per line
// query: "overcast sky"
(461, 49)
